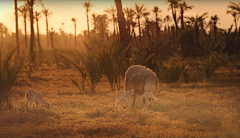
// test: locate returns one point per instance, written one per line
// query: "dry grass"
(209, 109)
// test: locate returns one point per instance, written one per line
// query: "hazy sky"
(64, 10)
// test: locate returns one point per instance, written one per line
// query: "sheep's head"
(148, 98)
(47, 105)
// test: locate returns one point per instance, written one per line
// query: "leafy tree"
(47, 13)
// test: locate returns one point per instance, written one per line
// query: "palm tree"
(16, 24)
(102, 24)
(52, 33)
(87, 5)
(215, 19)
(156, 10)
(234, 10)
(37, 16)
(140, 11)
(3, 30)
(63, 27)
(129, 14)
(75, 34)
(183, 7)
(47, 13)
(122, 27)
(173, 6)
(167, 19)
(94, 21)
(196, 22)
(112, 11)
(24, 13)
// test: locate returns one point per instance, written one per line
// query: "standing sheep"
(36, 97)
(143, 80)
(124, 95)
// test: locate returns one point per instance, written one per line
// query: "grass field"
(206, 109)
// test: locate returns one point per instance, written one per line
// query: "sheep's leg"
(134, 99)
(129, 102)
(118, 102)
(27, 102)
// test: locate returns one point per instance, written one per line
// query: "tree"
(94, 21)
(87, 5)
(3, 30)
(112, 11)
(167, 19)
(173, 6)
(52, 33)
(47, 13)
(183, 7)
(24, 13)
(156, 10)
(234, 10)
(122, 27)
(75, 34)
(16, 24)
(129, 14)
(102, 24)
(215, 19)
(37, 16)
(140, 11)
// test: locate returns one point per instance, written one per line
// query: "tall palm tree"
(94, 21)
(3, 30)
(122, 27)
(173, 6)
(129, 18)
(183, 7)
(215, 19)
(75, 33)
(52, 33)
(16, 24)
(156, 10)
(87, 5)
(102, 25)
(140, 11)
(112, 11)
(167, 19)
(197, 22)
(234, 10)
(24, 13)
(37, 16)
(47, 13)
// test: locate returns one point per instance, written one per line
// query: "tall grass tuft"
(207, 65)
(171, 73)
(10, 67)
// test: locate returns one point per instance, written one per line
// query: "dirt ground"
(197, 109)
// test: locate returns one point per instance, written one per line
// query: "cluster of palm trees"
(125, 20)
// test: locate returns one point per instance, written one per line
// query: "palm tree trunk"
(16, 23)
(122, 27)
(32, 29)
(156, 27)
(215, 33)
(25, 31)
(47, 32)
(76, 36)
(39, 46)
(87, 27)
(176, 25)
(182, 19)
(140, 34)
(113, 27)
(235, 20)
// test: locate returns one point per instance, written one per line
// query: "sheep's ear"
(142, 96)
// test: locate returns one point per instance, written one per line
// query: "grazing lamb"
(143, 80)
(124, 95)
(36, 97)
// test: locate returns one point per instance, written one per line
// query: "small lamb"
(36, 97)
(124, 95)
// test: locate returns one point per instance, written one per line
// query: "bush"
(207, 65)
(170, 73)
(10, 67)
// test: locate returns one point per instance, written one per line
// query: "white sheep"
(36, 97)
(143, 80)
(124, 95)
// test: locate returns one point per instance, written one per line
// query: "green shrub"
(207, 65)
(10, 67)
(170, 73)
